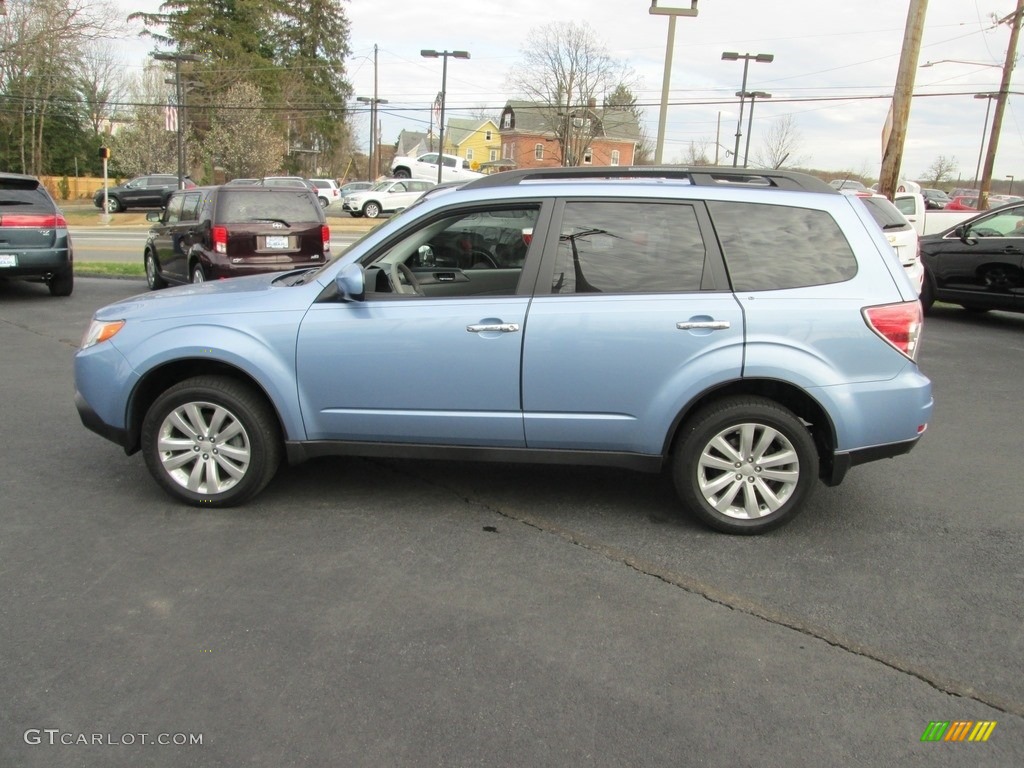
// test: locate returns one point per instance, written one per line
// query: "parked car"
(935, 199)
(668, 320)
(211, 233)
(425, 167)
(141, 192)
(384, 197)
(963, 203)
(847, 184)
(354, 186)
(925, 221)
(34, 239)
(243, 182)
(978, 264)
(899, 232)
(326, 191)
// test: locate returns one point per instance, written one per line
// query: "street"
(365, 612)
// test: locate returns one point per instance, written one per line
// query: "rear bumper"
(842, 461)
(39, 263)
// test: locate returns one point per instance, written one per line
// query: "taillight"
(220, 239)
(326, 232)
(34, 220)
(898, 324)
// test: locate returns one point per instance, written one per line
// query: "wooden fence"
(78, 187)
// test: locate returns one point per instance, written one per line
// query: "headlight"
(99, 330)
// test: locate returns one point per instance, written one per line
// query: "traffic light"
(104, 153)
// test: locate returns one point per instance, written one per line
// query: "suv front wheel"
(744, 465)
(211, 441)
(371, 210)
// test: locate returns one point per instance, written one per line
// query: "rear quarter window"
(772, 247)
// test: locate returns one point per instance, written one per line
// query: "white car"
(385, 197)
(899, 232)
(327, 191)
(425, 167)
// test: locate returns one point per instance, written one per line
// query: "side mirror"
(351, 283)
(963, 232)
(154, 216)
(426, 254)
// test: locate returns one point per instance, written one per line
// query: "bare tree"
(145, 145)
(242, 138)
(41, 52)
(780, 144)
(941, 170)
(101, 81)
(565, 70)
(697, 152)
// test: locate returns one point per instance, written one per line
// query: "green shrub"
(64, 188)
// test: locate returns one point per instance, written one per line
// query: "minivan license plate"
(277, 241)
(8, 260)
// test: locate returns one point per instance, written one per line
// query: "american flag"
(171, 117)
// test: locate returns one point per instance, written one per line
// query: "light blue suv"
(749, 332)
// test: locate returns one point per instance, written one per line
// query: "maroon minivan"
(211, 233)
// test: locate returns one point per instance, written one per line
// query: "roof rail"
(703, 176)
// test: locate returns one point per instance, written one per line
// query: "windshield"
(381, 186)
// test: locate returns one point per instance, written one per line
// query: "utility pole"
(892, 155)
(997, 119)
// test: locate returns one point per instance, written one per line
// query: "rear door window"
(771, 247)
(630, 247)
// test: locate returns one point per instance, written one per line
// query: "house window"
(504, 151)
(469, 153)
(615, 157)
(538, 151)
(487, 135)
(588, 157)
(494, 155)
(506, 120)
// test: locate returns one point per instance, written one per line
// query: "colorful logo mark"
(958, 730)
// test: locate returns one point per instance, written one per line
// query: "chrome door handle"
(499, 327)
(709, 325)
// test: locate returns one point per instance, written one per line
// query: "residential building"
(476, 140)
(596, 136)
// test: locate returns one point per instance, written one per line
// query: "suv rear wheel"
(198, 274)
(62, 283)
(744, 465)
(211, 441)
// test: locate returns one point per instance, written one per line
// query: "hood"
(215, 297)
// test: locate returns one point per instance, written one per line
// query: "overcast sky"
(834, 70)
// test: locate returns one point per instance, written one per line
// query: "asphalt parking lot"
(402, 613)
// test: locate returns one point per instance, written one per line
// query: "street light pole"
(373, 161)
(179, 98)
(672, 13)
(1010, 177)
(753, 95)
(431, 54)
(765, 58)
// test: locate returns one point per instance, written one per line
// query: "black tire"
(324, 202)
(402, 173)
(356, 214)
(153, 278)
(62, 283)
(197, 274)
(788, 455)
(927, 294)
(371, 210)
(114, 205)
(223, 473)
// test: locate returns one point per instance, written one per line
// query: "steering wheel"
(400, 270)
(482, 260)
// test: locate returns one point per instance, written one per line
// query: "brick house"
(528, 139)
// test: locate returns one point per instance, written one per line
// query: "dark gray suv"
(34, 240)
